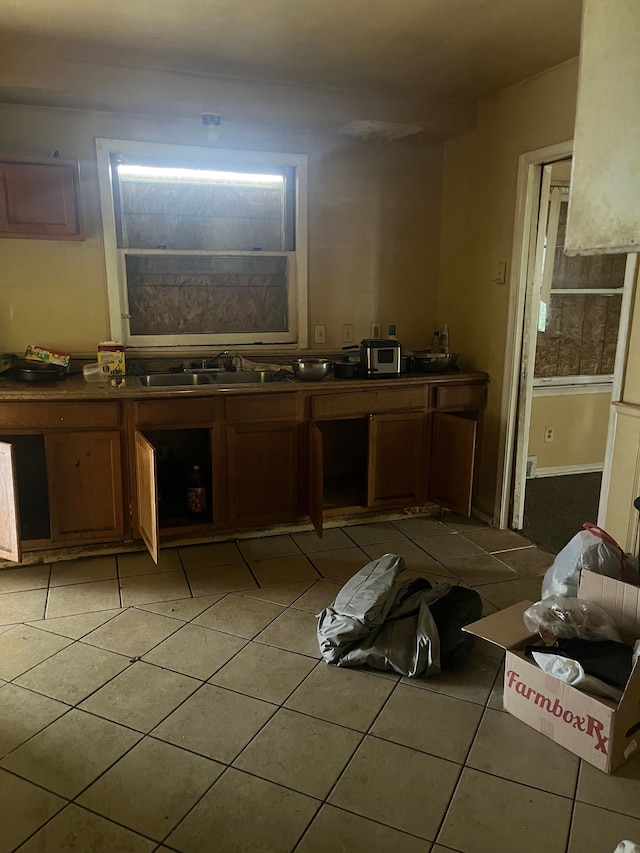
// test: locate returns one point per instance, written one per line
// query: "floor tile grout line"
(226, 768)
(112, 820)
(65, 805)
(46, 597)
(466, 758)
(364, 737)
(186, 578)
(370, 819)
(571, 822)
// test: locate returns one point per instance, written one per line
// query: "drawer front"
(264, 407)
(58, 415)
(362, 403)
(460, 397)
(165, 412)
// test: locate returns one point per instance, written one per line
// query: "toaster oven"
(382, 359)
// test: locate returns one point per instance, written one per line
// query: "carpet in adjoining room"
(556, 508)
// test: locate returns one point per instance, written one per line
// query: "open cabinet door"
(453, 445)
(316, 477)
(10, 546)
(147, 486)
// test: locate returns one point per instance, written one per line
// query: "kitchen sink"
(175, 380)
(240, 376)
(191, 380)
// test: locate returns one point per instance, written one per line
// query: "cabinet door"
(84, 470)
(453, 445)
(39, 200)
(316, 477)
(262, 472)
(10, 548)
(397, 468)
(147, 491)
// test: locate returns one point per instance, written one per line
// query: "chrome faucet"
(207, 363)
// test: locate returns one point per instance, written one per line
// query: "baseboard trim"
(560, 470)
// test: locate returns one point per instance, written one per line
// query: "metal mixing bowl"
(311, 369)
(434, 362)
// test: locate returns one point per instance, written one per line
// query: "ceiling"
(461, 50)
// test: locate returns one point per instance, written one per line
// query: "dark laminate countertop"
(75, 388)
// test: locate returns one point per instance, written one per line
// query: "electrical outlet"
(320, 334)
(347, 333)
(548, 434)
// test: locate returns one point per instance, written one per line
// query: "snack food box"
(601, 731)
(47, 356)
(111, 357)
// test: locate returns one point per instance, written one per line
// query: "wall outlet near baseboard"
(548, 434)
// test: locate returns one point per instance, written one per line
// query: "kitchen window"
(203, 246)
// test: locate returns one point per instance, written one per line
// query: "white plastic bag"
(627, 847)
(591, 549)
(567, 618)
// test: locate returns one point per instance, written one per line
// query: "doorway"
(566, 363)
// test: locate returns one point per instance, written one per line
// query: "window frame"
(297, 294)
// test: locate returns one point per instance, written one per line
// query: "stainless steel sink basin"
(191, 380)
(175, 380)
(241, 376)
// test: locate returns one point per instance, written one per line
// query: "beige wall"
(479, 199)
(579, 423)
(374, 214)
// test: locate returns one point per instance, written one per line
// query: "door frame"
(527, 190)
(530, 165)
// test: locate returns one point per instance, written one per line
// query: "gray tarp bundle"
(390, 624)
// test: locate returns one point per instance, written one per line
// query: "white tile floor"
(185, 707)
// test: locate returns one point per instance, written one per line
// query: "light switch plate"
(320, 334)
(347, 333)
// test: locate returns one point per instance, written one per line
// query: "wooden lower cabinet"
(84, 471)
(373, 462)
(452, 464)
(397, 465)
(262, 473)
(60, 488)
(266, 459)
(381, 460)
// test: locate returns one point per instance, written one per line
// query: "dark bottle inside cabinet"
(177, 451)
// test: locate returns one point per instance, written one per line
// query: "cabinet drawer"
(362, 403)
(460, 397)
(263, 407)
(22, 416)
(159, 412)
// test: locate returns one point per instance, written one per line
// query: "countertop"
(75, 388)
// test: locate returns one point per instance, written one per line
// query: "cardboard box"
(111, 358)
(601, 731)
(47, 356)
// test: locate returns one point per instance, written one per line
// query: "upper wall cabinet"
(604, 207)
(39, 199)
